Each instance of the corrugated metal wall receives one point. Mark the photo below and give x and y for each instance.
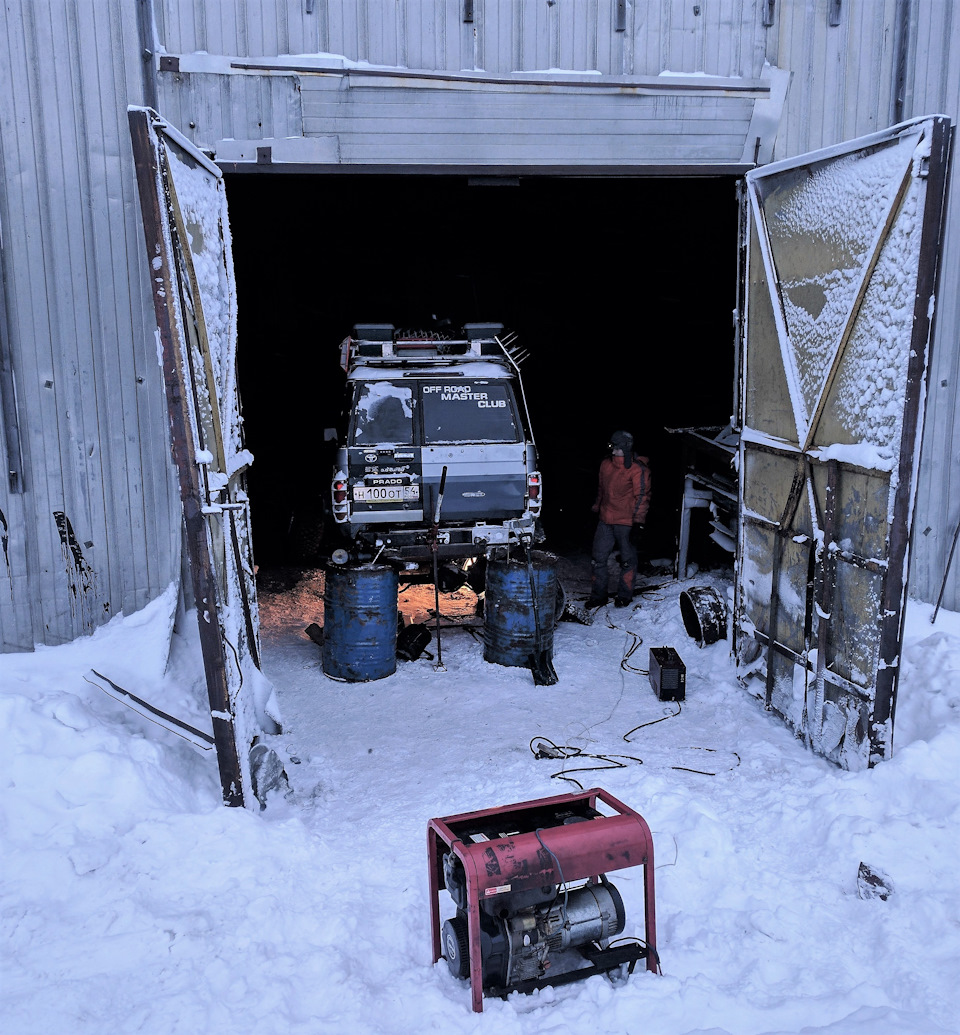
(883, 62)
(89, 517)
(719, 37)
(91, 520)
(220, 80)
(518, 126)
(933, 84)
(843, 74)
(212, 106)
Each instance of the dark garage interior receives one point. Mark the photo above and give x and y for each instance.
(620, 289)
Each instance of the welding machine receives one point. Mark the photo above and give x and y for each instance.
(668, 674)
(533, 903)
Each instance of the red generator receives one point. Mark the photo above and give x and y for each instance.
(533, 903)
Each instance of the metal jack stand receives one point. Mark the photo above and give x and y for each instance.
(435, 549)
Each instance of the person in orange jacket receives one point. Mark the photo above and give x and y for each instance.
(623, 499)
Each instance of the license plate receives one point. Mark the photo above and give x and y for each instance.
(385, 493)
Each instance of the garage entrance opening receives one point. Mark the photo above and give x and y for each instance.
(621, 290)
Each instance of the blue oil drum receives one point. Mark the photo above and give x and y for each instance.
(360, 622)
(509, 618)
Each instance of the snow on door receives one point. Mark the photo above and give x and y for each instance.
(841, 272)
(188, 244)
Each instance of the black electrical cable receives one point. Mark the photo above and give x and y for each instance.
(630, 652)
(546, 748)
(683, 768)
(704, 772)
(653, 722)
(623, 685)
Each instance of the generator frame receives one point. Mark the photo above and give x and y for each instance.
(582, 844)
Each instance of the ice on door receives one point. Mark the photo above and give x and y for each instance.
(841, 274)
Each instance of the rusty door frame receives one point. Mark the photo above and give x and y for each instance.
(161, 237)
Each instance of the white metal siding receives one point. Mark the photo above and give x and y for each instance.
(80, 336)
(208, 107)
(502, 125)
(843, 75)
(725, 37)
(934, 85)
(223, 80)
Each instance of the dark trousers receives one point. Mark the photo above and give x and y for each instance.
(605, 540)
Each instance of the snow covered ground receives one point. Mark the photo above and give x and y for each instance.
(132, 901)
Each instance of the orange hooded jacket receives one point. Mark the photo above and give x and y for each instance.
(623, 495)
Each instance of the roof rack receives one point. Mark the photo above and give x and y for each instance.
(383, 345)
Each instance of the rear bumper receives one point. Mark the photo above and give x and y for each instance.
(416, 544)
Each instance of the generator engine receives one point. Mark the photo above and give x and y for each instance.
(533, 905)
(523, 941)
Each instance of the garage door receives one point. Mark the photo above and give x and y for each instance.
(841, 273)
(191, 262)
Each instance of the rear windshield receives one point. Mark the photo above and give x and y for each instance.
(383, 412)
(472, 411)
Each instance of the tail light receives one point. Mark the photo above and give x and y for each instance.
(533, 490)
(341, 507)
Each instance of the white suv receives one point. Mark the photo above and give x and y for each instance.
(425, 410)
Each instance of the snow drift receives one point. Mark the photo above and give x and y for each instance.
(133, 901)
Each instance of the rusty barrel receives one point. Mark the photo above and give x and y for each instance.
(360, 622)
(511, 612)
(704, 614)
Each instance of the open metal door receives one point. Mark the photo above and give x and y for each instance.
(187, 236)
(842, 258)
